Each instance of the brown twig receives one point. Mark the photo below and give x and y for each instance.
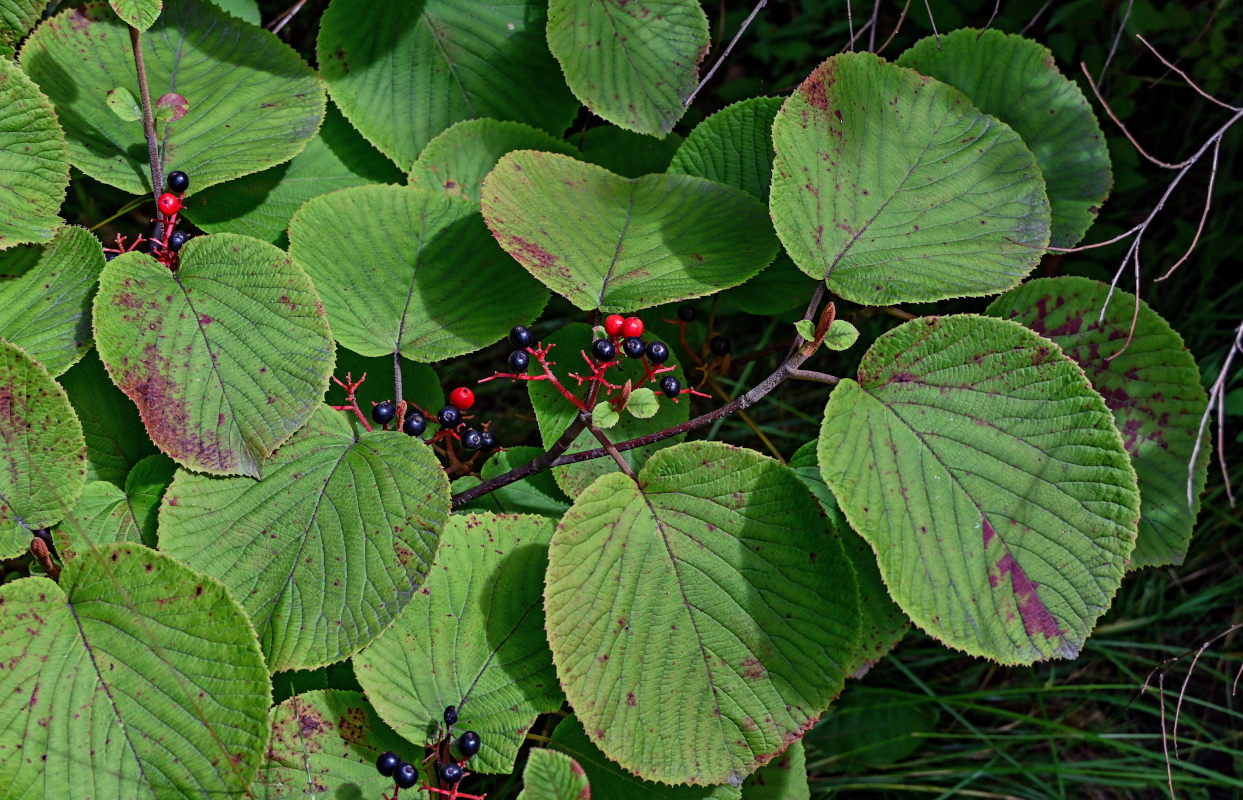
(38, 548)
(1216, 399)
(896, 27)
(745, 24)
(603, 439)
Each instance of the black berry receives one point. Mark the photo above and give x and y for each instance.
(719, 345)
(177, 240)
(110, 256)
(387, 763)
(178, 181)
(686, 313)
(603, 350)
(384, 412)
(488, 441)
(414, 425)
(472, 439)
(450, 773)
(468, 744)
(633, 347)
(658, 352)
(518, 360)
(671, 386)
(449, 417)
(521, 337)
(451, 711)
(405, 775)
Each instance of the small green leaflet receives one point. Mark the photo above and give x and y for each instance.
(550, 775)
(34, 161)
(122, 103)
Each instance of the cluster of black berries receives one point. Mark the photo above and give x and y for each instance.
(449, 417)
(629, 331)
(405, 775)
(169, 204)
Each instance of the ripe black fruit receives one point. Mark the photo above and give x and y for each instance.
(603, 350)
(415, 424)
(405, 776)
(449, 417)
(383, 413)
(686, 313)
(472, 439)
(658, 352)
(387, 763)
(450, 773)
(489, 441)
(518, 360)
(521, 337)
(671, 386)
(719, 345)
(633, 347)
(469, 744)
(178, 181)
(177, 240)
(451, 713)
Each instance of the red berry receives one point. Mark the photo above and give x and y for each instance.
(613, 324)
(462, 398)
(633, 326)
(168, 204)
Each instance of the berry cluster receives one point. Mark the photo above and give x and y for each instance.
(164, 249)
(448, 771)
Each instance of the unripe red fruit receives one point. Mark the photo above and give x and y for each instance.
(632, 326)
(613, 324)
(462, 398)
(168, 204)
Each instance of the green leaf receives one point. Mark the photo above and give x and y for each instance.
(1016, 80)
(34, 161)
(884, 624)
(643, 403)
(419, 383)
(325, 744)
(783, 778)
(733, 146)
(472, 638)
(989, 479)
(456, 161)
(42, 453)
(806, 328)
(894, 188)
(102, 516)
(619, 244)
(537, 494)
(45, 297)
(252, 101)
(115, 437)
(604, 415)
(632, 64)
(225, 358)
(326, 550)
(629, 154)
(870, 728)
(158, 661)
(402, 75)
(247, 10)
(261, 205)
(433, 284)
(123, 103)
(1151, 384)
(145, 487)
(550, 775)
(841, 335)
(139, 13)
(17, 17)
(611, 782)
(736, 631)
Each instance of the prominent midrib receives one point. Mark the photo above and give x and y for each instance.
(621, 237)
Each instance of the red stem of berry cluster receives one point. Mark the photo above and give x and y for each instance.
(351, 386)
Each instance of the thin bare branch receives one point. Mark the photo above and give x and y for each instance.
(746, 23)
(850, 25)
(285, 17)
(1183, 75)
(817, 377)
(1123, 128)
(989, 24)
(1216, 399)
(1208, 204)
(896, 28)
(872, 34)
(928, 6)
(1035, 17)
(1113, 48)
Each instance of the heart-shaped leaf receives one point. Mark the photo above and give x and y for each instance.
(326, 550)
(622, 244)
(42, 453)
(472, 638)
(1016, 80)
(403, 77)
(550, 775)
(432, 286)
(160, 660)
(1149, 381)
(987, 475)
(708, 602)
(783, 778)
(139, 13)
(252, 101)
(733, 146)
(34, 161)
(632, 64)
(225, 358)
(115, 437)
(45, 297)
(894, 188)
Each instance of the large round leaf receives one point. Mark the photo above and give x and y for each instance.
(34, 161)
(326, 550)
(708, 603)
(45, 297)
(783, 778)
(251, 102)
(224, 358)
(472, 638)
(1015, 80)
(134, 677)
(894, 188)
(403, 72)
(115, 437)
(1151, 384)
(632, 64)
(987, 475)
(621, 244)
(410, 270)
(42, 453)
